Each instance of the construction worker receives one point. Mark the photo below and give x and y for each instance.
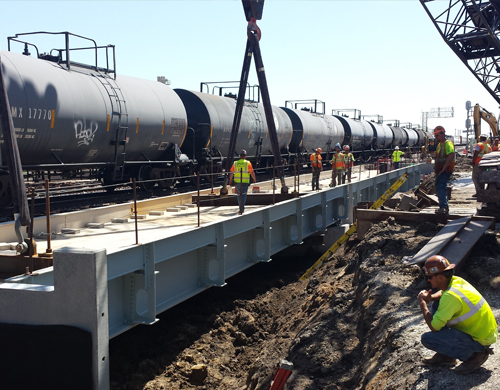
(396, 157)
(337, 162)
(317, 167)
(496, 145)
(241, 172)
(348, 163)
(461, 321)
(444, 163)
(480, 149)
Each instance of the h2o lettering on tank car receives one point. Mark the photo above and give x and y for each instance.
(85, 135)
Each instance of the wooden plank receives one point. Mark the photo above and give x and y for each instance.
(440, 240)
(464, 241)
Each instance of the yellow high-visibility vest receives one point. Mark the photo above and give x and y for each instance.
(241, 173)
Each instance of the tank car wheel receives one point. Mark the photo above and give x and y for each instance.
(166, 178)
(5, 192)
(146, 178)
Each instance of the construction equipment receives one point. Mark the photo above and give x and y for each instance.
(489, 168)
(380, 201)
(20, 199)
(482, 113)
(489, 183)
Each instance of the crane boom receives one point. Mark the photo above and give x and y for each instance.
(471, 28)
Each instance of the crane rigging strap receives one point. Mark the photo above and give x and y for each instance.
(387, 194)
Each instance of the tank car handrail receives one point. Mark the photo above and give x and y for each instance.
(339, 112)
(248, 88)
(395, 121)
(306, 101)
(67, 49)
(380, 118)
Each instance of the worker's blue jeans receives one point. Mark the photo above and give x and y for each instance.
(241, 191)
(450, 342)
(441, 183)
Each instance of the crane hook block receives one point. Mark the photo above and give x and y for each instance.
(253, 9)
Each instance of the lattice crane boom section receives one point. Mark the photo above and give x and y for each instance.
(472, 30)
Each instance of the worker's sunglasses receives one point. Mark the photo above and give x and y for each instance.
(429, 277)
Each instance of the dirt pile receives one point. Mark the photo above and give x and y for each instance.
(355, 324)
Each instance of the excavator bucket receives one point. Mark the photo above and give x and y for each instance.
(253, 9)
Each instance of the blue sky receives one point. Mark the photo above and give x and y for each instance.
(381, 57)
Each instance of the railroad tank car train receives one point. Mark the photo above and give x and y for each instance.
(71, 117)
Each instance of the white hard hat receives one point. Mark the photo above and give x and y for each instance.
(397, 148)
(483, 136)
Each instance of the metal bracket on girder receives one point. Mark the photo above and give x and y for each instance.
(263, 233)
(212, 261)
(140, 291)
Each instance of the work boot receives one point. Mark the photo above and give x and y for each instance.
(442, 210)
(439, 360)
(474, 362)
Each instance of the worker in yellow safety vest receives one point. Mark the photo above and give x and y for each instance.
(240, 175)
(396, 157)
(461, 321)
(337, 162)
(480, 149)
(317, 167)
(348, 162)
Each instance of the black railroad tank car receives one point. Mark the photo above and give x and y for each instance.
(400, 137)
(81, 117)
(71, 118)
(358, 134)
(413, 139)
(210, 121)
(313, 130)
(383, 137)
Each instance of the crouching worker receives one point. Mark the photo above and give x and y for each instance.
(461, 321)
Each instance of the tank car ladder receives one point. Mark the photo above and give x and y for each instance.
(118, 108)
